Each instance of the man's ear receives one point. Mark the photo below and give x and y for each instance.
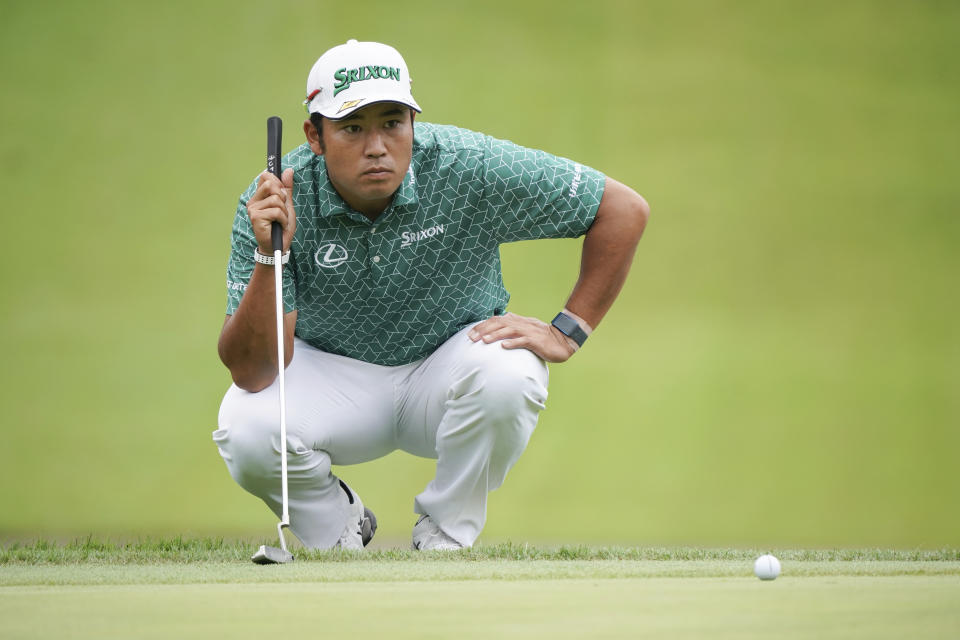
(313, 137)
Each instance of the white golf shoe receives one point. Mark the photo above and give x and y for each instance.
(361, 523)
(427, 536)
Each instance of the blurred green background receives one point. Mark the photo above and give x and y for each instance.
(782, 368)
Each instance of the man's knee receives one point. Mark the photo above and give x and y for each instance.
(506, 382)
(249, 436)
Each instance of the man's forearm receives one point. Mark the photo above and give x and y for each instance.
(608, 250)
(248, 340)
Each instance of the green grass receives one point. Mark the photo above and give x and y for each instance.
(779, 373)
(182, 550)
(192, 588)
(835, 607)
(781, 369)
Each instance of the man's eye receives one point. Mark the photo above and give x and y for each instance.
(352, 128)
(391, 124)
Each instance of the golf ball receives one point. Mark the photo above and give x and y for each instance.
(766, 567)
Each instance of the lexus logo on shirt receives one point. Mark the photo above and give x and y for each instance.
(330, 256)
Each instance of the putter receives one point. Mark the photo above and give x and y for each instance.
(267, 554)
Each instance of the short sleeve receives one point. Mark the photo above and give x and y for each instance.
(531, 194)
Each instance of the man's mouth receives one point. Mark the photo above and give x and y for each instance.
(377, 172)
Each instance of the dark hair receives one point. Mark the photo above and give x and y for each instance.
(316, 120)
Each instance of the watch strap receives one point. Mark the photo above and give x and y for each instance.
(570, 328)
(263, 258)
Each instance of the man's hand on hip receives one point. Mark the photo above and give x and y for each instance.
(520, 332)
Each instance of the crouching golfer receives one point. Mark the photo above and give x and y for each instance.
(397, 335)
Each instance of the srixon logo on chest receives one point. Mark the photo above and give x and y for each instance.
(409, 237)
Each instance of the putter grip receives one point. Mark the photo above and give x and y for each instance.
(274, 139)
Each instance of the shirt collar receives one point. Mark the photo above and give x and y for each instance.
(407, 193)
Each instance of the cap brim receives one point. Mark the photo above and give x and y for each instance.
(347, 108)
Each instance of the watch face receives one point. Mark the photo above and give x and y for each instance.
(570, 328)
(566, 324)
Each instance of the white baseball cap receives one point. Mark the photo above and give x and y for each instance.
(354, 75)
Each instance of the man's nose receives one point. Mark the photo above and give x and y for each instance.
(374, 145)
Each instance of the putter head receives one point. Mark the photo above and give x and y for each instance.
(271, 555)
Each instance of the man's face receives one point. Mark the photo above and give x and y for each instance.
(367, 154)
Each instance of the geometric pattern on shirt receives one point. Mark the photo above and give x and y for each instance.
(391, 291)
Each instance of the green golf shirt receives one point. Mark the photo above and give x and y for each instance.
(391, 291)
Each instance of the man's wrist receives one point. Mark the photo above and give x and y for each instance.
(572, 327)
(570, 342)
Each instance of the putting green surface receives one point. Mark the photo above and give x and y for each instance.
(831, 606)
(202, 588)
(444, 570)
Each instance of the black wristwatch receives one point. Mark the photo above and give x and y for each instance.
(570, 328)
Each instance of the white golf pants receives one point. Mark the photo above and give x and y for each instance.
(472, 406)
